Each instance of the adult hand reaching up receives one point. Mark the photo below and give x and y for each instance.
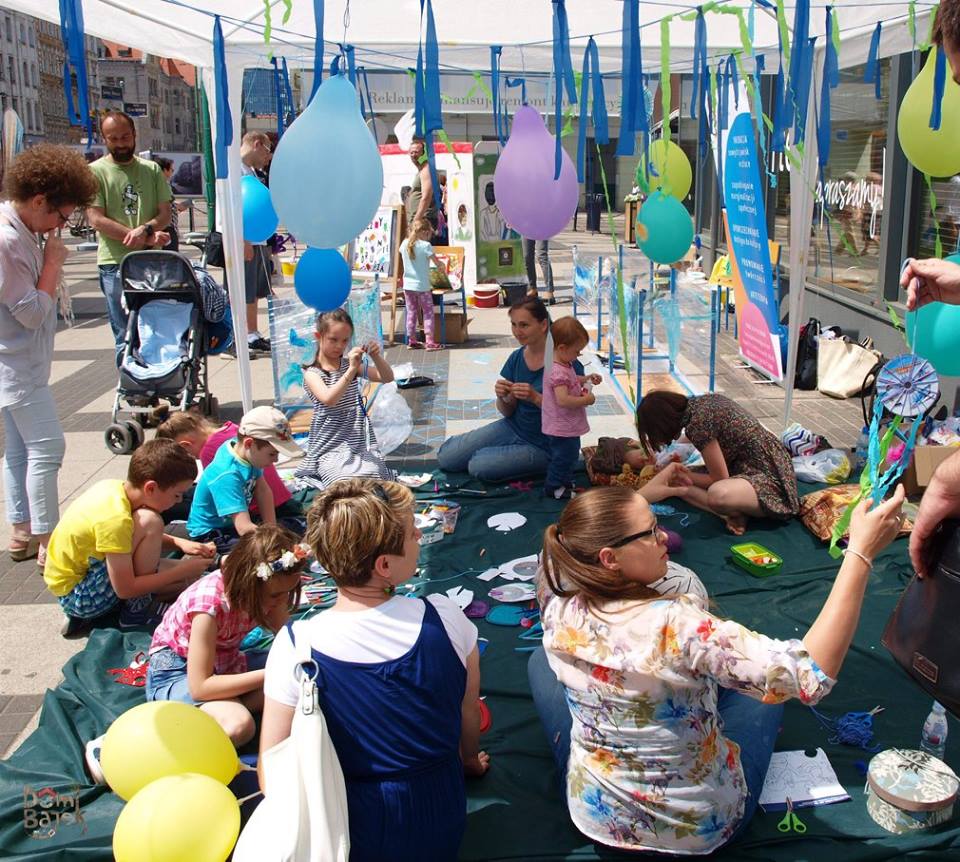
(931, 280)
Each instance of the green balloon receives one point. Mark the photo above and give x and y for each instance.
(664, 228)
(931, 152)
(670, 169)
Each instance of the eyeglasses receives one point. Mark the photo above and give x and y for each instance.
(643, 534)
(63, 218)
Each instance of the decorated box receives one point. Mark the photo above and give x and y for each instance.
(910, 790)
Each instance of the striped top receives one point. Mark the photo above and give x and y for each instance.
(342, 444)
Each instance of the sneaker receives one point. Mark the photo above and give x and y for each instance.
(259, 345)
(561, 493)
(91, 755)
(142, 612)
(74, 627)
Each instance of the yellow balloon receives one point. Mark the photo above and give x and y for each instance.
(669, 169)
(931, 152)
(163, 738)
(180, 818)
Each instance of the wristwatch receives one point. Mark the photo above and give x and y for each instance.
(150, 229)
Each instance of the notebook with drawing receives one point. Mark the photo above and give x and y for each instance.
(807, 778)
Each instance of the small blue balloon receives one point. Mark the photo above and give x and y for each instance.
(322, 279)
(933, 332)
(664, 228)
(259, 217)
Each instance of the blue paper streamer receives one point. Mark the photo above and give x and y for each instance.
(362, 74)
(939, 81)
(871, 74)
(427, 105)
(224, 136)
(801, 67)
(498, 124)
(317, 47)
(780, 105)
(562, 76)
(831, 78)
(633, 119)
(72, 33)
(518, 82)
(591, 74)
(277, 94)
(699, 64)
(287, 93)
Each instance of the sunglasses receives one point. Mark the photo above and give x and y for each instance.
(643, 534)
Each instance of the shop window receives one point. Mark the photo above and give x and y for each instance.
(943, 222)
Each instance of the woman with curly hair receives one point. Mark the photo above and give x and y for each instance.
(42, 188)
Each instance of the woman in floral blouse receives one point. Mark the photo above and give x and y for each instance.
(664, 717)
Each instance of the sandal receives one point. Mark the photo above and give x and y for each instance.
(433, 346)
(23, 549)
(414, 345)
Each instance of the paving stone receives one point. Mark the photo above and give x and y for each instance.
(21, 704)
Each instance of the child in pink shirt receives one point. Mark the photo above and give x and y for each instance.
(564, 406)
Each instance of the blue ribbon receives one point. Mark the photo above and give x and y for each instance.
(72, 32)
(427, 105)
(562, 76)
(277, 94)
(633, 110)
(349, 50)
(780, 106)
(831, 78)
(362, 73)
(317, 47)
(699, 63)
(591, 59)
(939, 80)
(287, 93)
(871, 74)
(518, 82)
(224, 136)
(498, 124)
(801, 67)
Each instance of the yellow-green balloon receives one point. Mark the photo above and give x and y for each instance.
(931, 152)
(163, 738)
(178, 818)
(670, 169)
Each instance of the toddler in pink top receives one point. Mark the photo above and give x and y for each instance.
(564, 405)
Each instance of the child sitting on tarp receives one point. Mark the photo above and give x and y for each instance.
(105, 552)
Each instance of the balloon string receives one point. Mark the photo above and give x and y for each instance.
(243, 799)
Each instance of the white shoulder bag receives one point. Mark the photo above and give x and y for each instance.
(303, 815)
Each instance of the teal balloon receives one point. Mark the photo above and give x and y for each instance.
(259, 218)
(664, 228)
(326, 177)
(322, 279)
(933, 332)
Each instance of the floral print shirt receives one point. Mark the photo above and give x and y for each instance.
(649, 766)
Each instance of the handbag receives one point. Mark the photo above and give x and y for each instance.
(806, 373)
(213, 250)
(923, 632)
(842, 365)
(303, 815)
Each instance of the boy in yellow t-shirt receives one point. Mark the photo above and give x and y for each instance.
(106, 549)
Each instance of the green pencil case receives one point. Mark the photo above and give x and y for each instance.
(759, 561)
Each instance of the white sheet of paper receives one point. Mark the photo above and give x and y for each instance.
(489, 575)
(521, 569)
(506, 521)
(806, 780)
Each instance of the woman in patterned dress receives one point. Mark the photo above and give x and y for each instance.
(749, 472)
(661, 716)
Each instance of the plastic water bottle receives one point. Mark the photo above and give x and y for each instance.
(860, 453)
(933, 738)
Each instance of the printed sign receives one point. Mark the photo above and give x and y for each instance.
(111, 93)
(135, 109)
(759, 318)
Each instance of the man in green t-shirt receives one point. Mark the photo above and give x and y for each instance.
(130, 211)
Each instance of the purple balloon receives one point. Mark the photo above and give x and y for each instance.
(531, 201)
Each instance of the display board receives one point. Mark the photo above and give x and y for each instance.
(375, 249)
(499, 247)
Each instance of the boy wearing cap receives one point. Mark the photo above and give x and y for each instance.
(220, 511)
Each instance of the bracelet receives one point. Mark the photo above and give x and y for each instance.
(868, 562)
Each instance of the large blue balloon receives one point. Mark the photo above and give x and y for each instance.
(664, 228)
(259, 219)
(933, 332)
(322, 279)
(326, 178)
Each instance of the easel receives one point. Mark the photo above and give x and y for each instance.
(391, 282)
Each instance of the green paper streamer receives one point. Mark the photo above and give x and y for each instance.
(267, 26)
(933, 20)
(287, 10)
(665, 77)
(567, 128)
(445, 138)
(784, 34)
(836, 35)
(480, 84)
(912, 20)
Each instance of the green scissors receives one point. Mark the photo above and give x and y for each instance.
(790, 822)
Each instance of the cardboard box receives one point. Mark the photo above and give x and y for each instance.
(456, 323)
(925, 461)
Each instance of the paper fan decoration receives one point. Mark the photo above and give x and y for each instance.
(908, 385)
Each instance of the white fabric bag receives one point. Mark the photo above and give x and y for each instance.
(843, 365)
(303, 815)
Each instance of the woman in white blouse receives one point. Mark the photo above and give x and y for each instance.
(664, 717)
(42, 188)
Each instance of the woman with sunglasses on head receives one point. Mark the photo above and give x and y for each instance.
(43, 187)
(662, 717)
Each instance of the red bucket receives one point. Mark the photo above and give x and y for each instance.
(487, 297)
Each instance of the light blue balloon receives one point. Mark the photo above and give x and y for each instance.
(322, 279)
(259, 219)
(933, 332)
(326, 178)
(668, 228)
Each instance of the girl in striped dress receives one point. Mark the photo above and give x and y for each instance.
(342, 443)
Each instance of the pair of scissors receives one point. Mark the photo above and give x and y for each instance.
(790, 822)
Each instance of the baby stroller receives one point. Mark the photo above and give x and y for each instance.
(164, 354)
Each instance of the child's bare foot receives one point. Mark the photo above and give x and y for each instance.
(736, 524)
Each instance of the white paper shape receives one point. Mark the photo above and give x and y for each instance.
(513, 593)
(806, 780)
(506, 521)
(460, 596)
(489, 575)
(521, 569)
(414, 480)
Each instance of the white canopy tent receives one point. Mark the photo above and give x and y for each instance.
(386, 34)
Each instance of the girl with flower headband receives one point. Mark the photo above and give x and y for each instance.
(195, 652)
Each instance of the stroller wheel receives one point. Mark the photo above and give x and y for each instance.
(137, 430)
(119, 439)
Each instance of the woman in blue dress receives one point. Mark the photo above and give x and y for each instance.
(398, 680)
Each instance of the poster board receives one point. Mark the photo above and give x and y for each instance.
(375, 249)
(499, 247)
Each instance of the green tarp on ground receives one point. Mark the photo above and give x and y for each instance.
(516, 812)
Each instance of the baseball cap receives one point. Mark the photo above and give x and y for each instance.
(271, 426)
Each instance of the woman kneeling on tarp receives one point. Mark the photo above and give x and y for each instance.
(662, 717)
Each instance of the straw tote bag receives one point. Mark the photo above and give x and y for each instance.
(303, 815)
(842, 365)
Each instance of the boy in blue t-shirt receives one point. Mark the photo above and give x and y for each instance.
(220, 511)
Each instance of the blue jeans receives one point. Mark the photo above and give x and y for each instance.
(564, 452)
(31, 461)
(747, 722)
(113, 293)
(493, 453)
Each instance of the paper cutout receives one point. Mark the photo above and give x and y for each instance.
(461, 597)
(513, 593)
(521, 569)
(808, 781)
(489, 575)
(414, 480)
(506, 521)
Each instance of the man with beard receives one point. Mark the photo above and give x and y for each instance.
(129, 213)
